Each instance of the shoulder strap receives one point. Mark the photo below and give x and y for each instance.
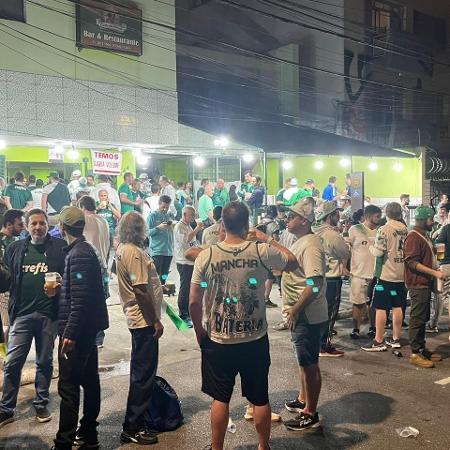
(259, 256)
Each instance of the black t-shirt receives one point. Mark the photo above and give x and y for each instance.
(33, 298)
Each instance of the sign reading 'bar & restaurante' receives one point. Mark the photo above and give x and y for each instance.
(109, 27)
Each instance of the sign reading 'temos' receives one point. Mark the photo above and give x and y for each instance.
(106, 162)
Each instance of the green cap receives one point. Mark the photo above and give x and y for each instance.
(53, 174)
(423, 212)
(72, 217)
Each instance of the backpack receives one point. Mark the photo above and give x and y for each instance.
(59, 197)
(164, 412)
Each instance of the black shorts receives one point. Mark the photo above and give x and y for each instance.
(388, 295)
(222, 362)
(307, 341)
(271, 276)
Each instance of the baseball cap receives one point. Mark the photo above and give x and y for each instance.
(76, 173)
(309, 181)
(143, 176)
(53, 174)
(304, 209)
(345, 197)
(423, 212)
(328, 208)
(294, 182)
(72, 217)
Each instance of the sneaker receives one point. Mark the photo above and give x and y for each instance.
(429, 329)
(303, 422)
(143, 437)
(270, 304)
(432, 356)
(331, 352)
(85, 442)
(388, 325)
(188, 322)
(43, 414)
(295, 406)
(393, 343)
(355, 334)
(333, 332)
(374, 347)
(282, 326)
(417, 359)
(371, 333)
(405, 325)
(249, 415)
(6, 418)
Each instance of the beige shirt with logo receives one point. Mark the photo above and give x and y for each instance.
(134, 268)
(233, 277)
(311, 259)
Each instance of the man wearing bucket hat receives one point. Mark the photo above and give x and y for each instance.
(82, 314)
(304, 295)
(337, 254)
(420, 274)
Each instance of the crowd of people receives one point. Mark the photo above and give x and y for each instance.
(229, 248)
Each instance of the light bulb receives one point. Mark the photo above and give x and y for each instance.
(73, 154)
(222, 142)
(397, 167)
(286, 164)
(373, 165)
(142, 160)
(345, 162)
(319, 165)
(199, 161)
(2, 144)
(247, 157)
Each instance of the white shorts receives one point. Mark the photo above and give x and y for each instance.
(359, 290)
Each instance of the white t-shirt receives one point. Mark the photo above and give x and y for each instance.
(149, 205)
(234, 280)
(37, 197)
(73, 187)
(210, 235)
(181, 244)
(135, 268)
(311, 259)
(361, 239)
(96, 231)
(389, 244)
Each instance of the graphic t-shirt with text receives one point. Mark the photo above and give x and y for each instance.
(32, 296)
(233, 277)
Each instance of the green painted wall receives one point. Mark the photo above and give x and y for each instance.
(175, 169)
(156, 68)
(273, 169)
(383, 182)
(35, 160)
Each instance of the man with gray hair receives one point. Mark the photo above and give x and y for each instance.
(185, 237)
(390, 291)
(141, 297)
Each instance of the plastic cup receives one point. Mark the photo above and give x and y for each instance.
(440, 251)
(51, 281)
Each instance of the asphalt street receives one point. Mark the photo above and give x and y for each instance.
(365, 397)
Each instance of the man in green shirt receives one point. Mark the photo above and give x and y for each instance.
(17, 195)
(307, 191)
(246, 187)
(108, 211)
(128, 200)
(220, 196)
(201, 189)
(279, 198)
(206, 206)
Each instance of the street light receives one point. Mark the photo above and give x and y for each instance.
(247, 158)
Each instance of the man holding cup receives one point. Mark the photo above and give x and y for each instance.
(32, 311)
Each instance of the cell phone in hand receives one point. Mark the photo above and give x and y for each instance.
(169, 222)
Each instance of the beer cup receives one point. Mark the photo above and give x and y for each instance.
(51, 282)
(440, 251)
